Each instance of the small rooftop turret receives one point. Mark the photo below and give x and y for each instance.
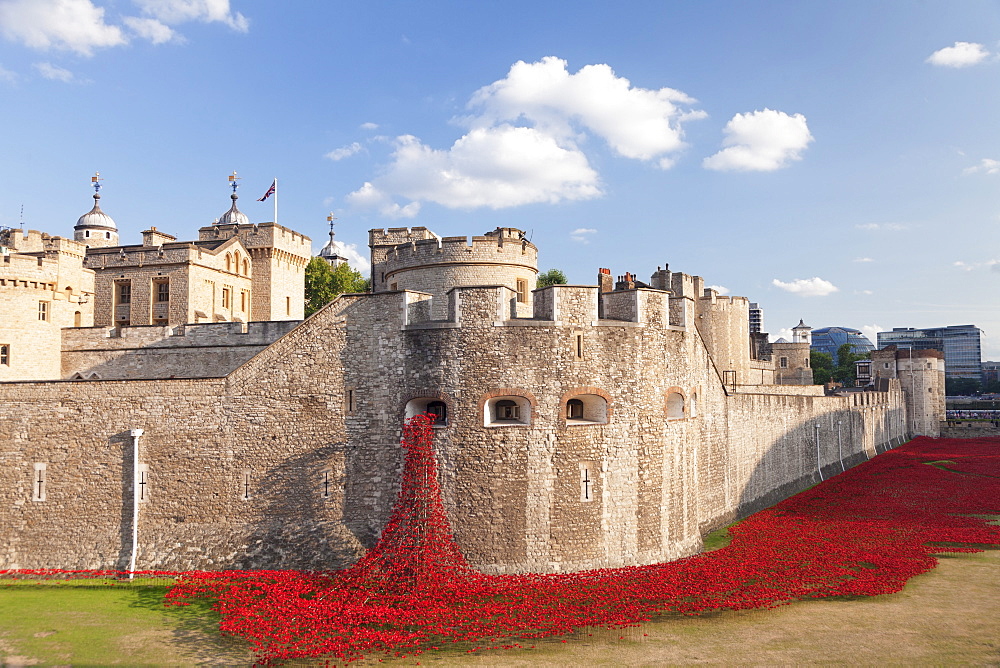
(329, 251)
(234, 216)
(95, 228)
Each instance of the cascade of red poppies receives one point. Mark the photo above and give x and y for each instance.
(864, 532)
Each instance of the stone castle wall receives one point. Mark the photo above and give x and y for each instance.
(293, 459)
(185, 351)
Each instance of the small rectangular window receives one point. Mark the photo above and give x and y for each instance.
(350, 401)
(579, 346)
(43, 310)
(4, 354)
(783, 362)
(288, 305)
(163, 291)
(522, 291)
(226, 298)
(243, 301)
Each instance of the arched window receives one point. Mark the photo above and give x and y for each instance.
(507, 410)
(229, 262)
(236, 263)
(246, 267)
(675, 405)
(586, 409)
(432, 405)
(439, 410)
(77, 319)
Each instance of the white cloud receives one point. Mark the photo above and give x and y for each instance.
(344, 151)
(986, 166)
(783, 333)
(993, 265)
(863, 259)
(963, 54)
(354, 258)
(152, 30)
(761, 141)
(7, 75)
(864, 292)
(369, 126)
(489, 167)
(370, 197)
(173, 12)
(71, 25)
(871, 331)
(524, 136)
(636, 123)
(887, 227)
(582, 234)
(54, 72)
(807, 287)
(721, 289)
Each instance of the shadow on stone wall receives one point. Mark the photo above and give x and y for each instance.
(801, 440)
(123, 441)
(299, 528)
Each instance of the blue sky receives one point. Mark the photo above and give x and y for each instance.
(835, 162)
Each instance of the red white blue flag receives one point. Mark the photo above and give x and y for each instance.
(270, 191)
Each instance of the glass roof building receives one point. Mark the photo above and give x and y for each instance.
(828, 339)
(959, 343)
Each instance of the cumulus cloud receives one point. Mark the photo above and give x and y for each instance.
(963, 54)
(152, 30)
(761, 141)
(369, 126)
(871, 331)
(489, 167)
(71, 25)
(807, 287)
(344, 151)
(54, 72)
(863, 259)
(582, 234)
(80, 25)
(370, 197)
(173, 12)
(523, 140)
(986, 166)
(721, 289)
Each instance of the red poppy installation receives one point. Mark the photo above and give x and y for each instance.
(865, 532)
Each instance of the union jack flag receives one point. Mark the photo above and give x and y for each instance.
(270, 191)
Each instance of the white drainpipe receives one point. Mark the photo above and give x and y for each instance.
(135, 434)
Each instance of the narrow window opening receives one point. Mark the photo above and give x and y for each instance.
(288, 305)
(587, 481)
(579, 346)
(522, 291)
(77, 319)
(325, 483)
(508, 410)
(574, 409)
(143, 483)
(124, 292)
(246, 485)
(107, 235)
(5, 354)
(87, 234)
(783, 362)
(350, 401)
(39, 482)
(43, 311)
(163, 291)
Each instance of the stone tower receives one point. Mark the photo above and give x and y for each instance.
(921, 376)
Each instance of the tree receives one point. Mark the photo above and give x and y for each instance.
(846, 371)
(962, 387)
(822, 366)
(324, 283)
(551, 277)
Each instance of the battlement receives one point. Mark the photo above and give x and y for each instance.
(260, 235)
(256, 333)
(504, 248)
(32, 270)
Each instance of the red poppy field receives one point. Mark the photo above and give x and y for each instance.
(862, 533)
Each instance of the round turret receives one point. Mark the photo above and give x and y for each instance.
(234, 216)
(95, 228)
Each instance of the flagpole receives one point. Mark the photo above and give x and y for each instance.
(275, 200)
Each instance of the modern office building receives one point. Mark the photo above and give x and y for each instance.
(959, 343)
(829, 340)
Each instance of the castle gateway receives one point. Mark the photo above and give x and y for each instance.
(577, 426)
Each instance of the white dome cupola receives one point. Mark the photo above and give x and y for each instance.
(234, 216)
(96, 229)
(330, 252)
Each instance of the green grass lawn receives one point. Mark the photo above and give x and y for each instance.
(95, 623)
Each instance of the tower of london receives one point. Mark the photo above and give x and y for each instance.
(577, 426)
